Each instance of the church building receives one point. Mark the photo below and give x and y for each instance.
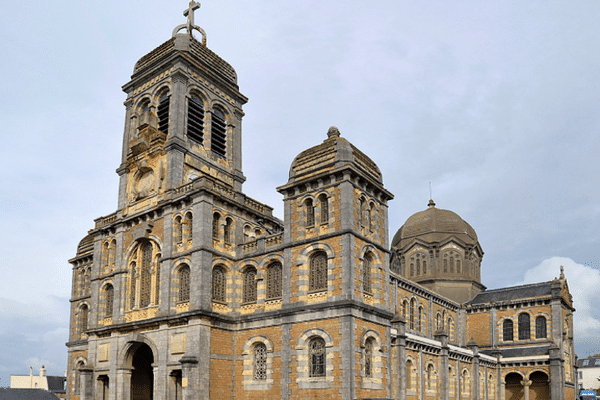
(193, 290)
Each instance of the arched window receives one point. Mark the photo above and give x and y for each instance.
(540, 327)
(361, 213)
(227, 231)
(145, 275)
(507, 330)
(195, 119)
(318, 272)
(445, 264)
(250, 285)
(178, 230)
(83, 318)
(218, 284)
(316, 357)
(324, 209)
(163, 113)
(88, 280)
(418, 266)
(424, 267)
(369, 357)
(430, 377)
(409, 374)
(109, 301)
(366, 275)
(439, 322)
(412, 269)
(218, 133)
(405, 309)
(413, 311)
(274, 281)
(310, 213)
(524, 326)
(419, 319)
(395, 266)
(186, 231)
(215, 225)
(370, 208)
(458, 266)
(465, 382)
(157, 283)
(260, 362)
(132, 285)
(184, 283)
(451, 264)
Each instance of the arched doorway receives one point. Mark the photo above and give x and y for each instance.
(513, 387)
(540, 387)
(142, 376)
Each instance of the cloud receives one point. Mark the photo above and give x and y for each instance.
(583, 281)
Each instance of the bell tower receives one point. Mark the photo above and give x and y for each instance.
(183, 120)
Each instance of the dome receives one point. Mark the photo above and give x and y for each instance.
(434, 225)
(334, 152)
(86, 244)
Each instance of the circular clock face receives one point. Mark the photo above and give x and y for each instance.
(145, 183)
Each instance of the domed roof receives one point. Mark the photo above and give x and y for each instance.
(196, 52)
(86, 244)
(334, 152)
(434, 225)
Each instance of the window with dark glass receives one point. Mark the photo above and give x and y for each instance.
(218, 284)
(524, 326)
(367, 275)
(316, 357)
(540, 327)
(145, 275)
(250, 285)
(163, 113)
(413, 311)
(215, 225)
(274, 281)
(218, 133)
(507, 330)
(310, 213)
(260, 362)
(132, 286)
(83, 318)
(324, 209)
(227, 231)
(369, 358)
(184, 283)
(318, 272)
(110, 297)
(195, 121)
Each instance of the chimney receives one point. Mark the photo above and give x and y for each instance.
(43, 371)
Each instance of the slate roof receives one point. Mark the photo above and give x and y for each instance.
(56, 384)
(26, 394)
(522, 351)
(512, 293)
(592, 362)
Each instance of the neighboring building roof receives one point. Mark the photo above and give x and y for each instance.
(589, 362)
(56, 384)
(434, 225)
(334, 152)
(513, 293)
(26, 394)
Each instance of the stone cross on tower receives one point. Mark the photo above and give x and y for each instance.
(190, 26)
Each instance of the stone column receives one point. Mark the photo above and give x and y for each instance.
(444, 378)
(399, 324)
(188, 377)
(475, 349)
(124, 383)
(526, 383)
(557, 391)
(86, 386)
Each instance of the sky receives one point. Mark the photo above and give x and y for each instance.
(496, 104)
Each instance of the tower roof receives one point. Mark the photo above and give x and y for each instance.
(434, 225)
(334, 152)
